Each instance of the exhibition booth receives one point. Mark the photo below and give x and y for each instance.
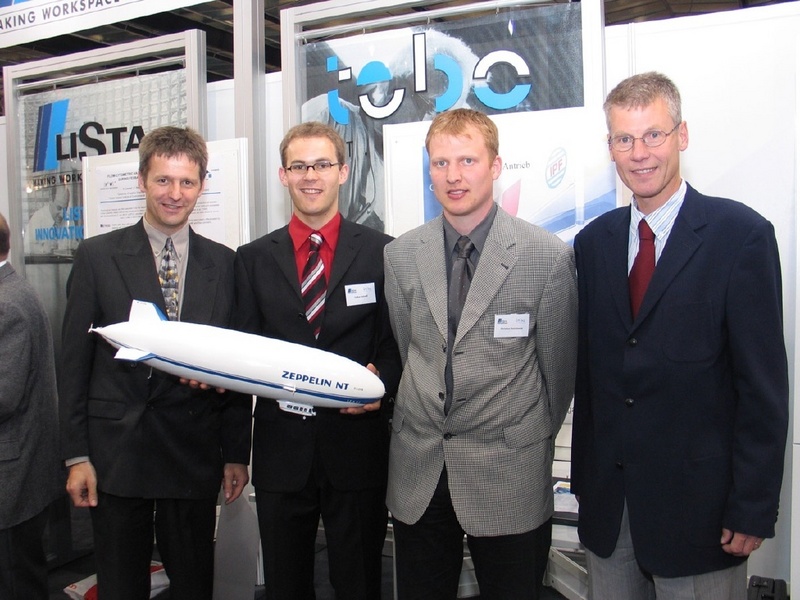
(540, 71)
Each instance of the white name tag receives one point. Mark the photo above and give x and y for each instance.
(360, 293)
(506, 326)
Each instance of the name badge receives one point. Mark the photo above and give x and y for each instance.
(360, 293)
(509, 326)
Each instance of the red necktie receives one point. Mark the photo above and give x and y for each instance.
(643, 266)
(314, 286)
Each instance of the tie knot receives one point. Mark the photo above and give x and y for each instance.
(645, 233)
(464, 247)
(315, 240)
(169, 246)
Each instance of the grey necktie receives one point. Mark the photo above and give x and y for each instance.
(460, 278)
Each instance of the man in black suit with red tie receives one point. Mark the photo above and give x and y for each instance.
(333, 464)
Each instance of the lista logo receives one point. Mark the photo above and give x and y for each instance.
(52, 120)
(53, 144)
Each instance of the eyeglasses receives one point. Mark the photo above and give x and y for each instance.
(321, 166)
(652, 139)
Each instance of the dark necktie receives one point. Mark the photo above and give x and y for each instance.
(313, 286)
(168, 278)
(643, 266)
(460, 278)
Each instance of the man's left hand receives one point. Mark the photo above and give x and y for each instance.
(360, 410)
(235, 477)
(739, 544)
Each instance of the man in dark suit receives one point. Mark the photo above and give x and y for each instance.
(483, 394)
(29, 462)
(332, 464)
(681, 403)
(136, 439)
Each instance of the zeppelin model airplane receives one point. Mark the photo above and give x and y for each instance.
(298, 377)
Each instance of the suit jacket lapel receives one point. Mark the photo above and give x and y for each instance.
(134, 259)
(202, 277)
(346, 251)
(496, 262)
(683, 242)
(432, 270)
(283, 254)
(615, 257)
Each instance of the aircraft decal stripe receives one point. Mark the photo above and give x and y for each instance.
(265, 384)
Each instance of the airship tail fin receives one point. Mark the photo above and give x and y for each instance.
(132, 355)
(145, 311)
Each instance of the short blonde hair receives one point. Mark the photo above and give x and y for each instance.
(456, 121)
(642, 90)
(313, 129)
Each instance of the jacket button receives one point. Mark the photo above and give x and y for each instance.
(447, 436)
(628, 401)
(441, 395)
(619, 464)
(632, 342)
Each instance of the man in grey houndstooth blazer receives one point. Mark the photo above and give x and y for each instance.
(483, 467)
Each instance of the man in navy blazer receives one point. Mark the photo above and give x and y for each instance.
(136, 439)
(681, 408)
(332, 464)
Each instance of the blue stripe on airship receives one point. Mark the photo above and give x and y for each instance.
(261, 383)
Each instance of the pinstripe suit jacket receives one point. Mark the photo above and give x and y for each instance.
(29, 461)
(510, 394)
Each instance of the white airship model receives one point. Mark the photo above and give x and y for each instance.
(298, 377)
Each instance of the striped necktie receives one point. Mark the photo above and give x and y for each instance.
(314, 285)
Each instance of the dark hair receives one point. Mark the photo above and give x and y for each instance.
(172, 141)
(456, 122)
(642, 90)
(313, 129)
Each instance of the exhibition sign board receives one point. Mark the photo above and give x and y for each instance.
(112, 198)
(57, 128)
(380, 85)
(521, 60)
(23, 21)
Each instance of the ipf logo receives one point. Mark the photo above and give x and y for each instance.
(52, 121)
(556, 167)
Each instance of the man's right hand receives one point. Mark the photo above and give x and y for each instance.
(82, 484)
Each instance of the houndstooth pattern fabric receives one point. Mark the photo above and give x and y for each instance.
(510, 394)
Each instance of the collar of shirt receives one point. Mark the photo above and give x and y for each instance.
(660, 221)
(157, 239)
(299, 232)
(477, 236)
(2, 263)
